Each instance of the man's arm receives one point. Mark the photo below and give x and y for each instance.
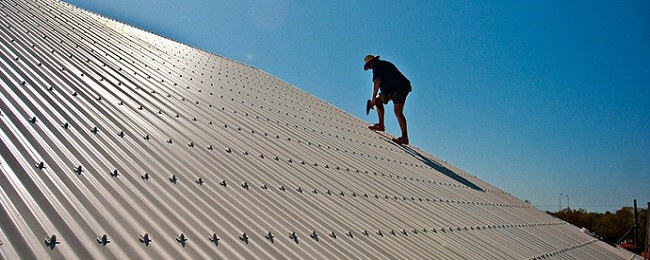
(375, 88)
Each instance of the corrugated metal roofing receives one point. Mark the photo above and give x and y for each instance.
(117, 143)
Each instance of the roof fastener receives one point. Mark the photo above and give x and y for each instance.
(264, 187)
(40, 165)
(170, 141)
(378, 233)
(145, 176)
(65, 125)
(282, 188)
(51, 242)
(333, 235)
(78, 169)
(191, 144)
(181, 239)
(103, 240)
(349, 233)
(32, 120)
(244, 185)
(392, 232)
(313, 235)
(173, 179)
(145, 239)
(299, 190)
(199, 181)
(146, 137)
(210, 147)
(94, 130)
(269, 236)
(293, 236)
(121, 134)
(114, 173)
(244, 238)
(214, 239)
(223, 183)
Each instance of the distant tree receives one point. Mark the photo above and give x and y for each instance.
(610, 226)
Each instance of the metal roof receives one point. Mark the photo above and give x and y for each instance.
(117, 143)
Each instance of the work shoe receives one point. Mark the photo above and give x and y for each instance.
(401, 140)
(377, 127)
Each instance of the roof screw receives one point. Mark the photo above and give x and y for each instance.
(378, 233)
(170, 141)
(392, 232)
(223, 183)
(173, 179)
(103, 240)
(354, 194)
(199, 181)
(51, 242)
(228, 150)
(145, 239)
(79, 169)
(264, 187)
(121, 134)
(289, 160)
(191, 144)
(269, 236)
(313, 235)
(299, 189)
(415, 231)
(329, 192)
(277, 159)
(341, 193)
(293, 236)
(210, 147)
(114, 173)
(349, 233)
(244, 185)
(40, 165)
(146, 137)
(244, 238)
(262, 156)
(214, 239)
(282, 188)
(245, 152)
(365, 232)
(181, 239)
(65, 125)
(145, 176)
(94, 130)
(32, 120)
(314, 191)
(333, 235)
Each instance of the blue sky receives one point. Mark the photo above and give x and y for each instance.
(539, 98)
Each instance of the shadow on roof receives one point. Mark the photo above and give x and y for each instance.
(440, 168)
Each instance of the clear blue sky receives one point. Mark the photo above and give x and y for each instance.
(539, 98)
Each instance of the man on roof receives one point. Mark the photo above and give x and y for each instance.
(394, 86)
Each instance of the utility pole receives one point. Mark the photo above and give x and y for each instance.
(560, 207)
(567, 201)
(647, 232)
(636, 227)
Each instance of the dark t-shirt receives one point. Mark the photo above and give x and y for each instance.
(391, 78)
